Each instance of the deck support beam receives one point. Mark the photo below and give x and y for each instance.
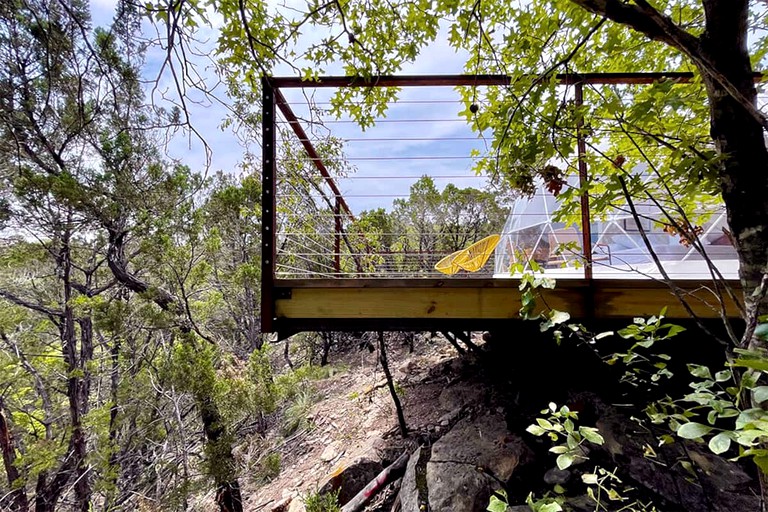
(478, 304)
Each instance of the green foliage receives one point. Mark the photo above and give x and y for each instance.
(269, 468)
(296, 414)
(529, 283)
(316, 502)
(724, 409)
(191, 368)
(545, 504)
(530, 122)
(645, 365)
(604, 484)
(560, 426)
(727, 406)
(604, 487)
(498, 502)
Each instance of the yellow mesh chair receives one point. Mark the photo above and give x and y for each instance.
(451, 263)
(470, 259)
(478, 253)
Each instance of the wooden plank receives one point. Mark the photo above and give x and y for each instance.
(493, 300)
(626, 302)
(433, 303)
(399, 283)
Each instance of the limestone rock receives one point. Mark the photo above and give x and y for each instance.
(330, 452)
(455, 486)
(557, 476)
(350, 477)
(281, 505)
(484, 442)
(463, 467)
(297, 505)
(460, 395)
(413, 480)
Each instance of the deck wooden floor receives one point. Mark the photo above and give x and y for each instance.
(474, 304)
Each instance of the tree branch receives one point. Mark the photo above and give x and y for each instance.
(644, 18)
(119, 267)
(29, 305)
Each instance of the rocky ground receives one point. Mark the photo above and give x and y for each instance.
(467, 417)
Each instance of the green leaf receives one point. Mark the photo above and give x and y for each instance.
(723, 376)
(749, 416)
(565, 460)
(589, 478)
(760, 394)
(558, 449)
(592, 435)
(762, 463)
(699, 371)
(558, 317)
(551, 507)
(545, 424)
(755, 364)
(720, 443)
(674, 330)
(496, 505)
(761, 331)
(535, 430)
(693, 430)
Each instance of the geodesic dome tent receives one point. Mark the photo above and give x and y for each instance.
(532, 240)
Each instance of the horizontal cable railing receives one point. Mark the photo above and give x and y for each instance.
(373, 204)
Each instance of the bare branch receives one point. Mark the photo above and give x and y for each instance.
(34, 306)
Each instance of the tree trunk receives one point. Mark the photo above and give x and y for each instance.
(114, 456)
(739, 137)
(327, 338)
(220, 459)
(78, 383)
(17, 497)
(391, 385)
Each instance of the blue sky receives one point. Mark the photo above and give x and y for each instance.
(400, 160)
(422, 134)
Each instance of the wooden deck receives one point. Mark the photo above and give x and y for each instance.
(290, 306)
(475, 304)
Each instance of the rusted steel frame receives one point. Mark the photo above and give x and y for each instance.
(482, 80)
(268, 205)
(581, 149)
(477, 80)
(295, 125)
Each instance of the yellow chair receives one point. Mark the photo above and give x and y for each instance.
(451, 263)
(478, 253)
(471, 259)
